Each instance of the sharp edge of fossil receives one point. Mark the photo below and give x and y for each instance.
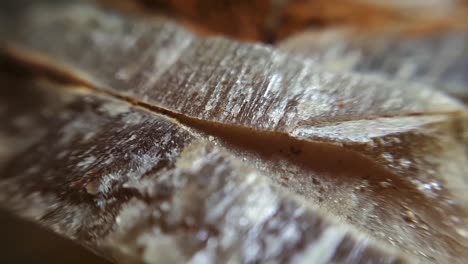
(441, 108)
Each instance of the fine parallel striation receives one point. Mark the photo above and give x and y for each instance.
(138, 187)
(152, 121)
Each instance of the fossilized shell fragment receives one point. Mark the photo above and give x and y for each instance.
(155, 142)
(137, 186)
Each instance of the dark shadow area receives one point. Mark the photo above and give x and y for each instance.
(25, 242)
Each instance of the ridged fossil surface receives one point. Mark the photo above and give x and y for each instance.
(149, 144)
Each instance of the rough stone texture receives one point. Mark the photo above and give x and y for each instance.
(160, 143)
(136, 187)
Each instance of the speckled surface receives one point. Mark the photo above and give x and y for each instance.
(160, 143)
(136, 186)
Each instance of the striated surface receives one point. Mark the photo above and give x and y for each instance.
(438, 59)
(136, 187)
(160, 143)
(247, 85)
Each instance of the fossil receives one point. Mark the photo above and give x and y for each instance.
(149, 144)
